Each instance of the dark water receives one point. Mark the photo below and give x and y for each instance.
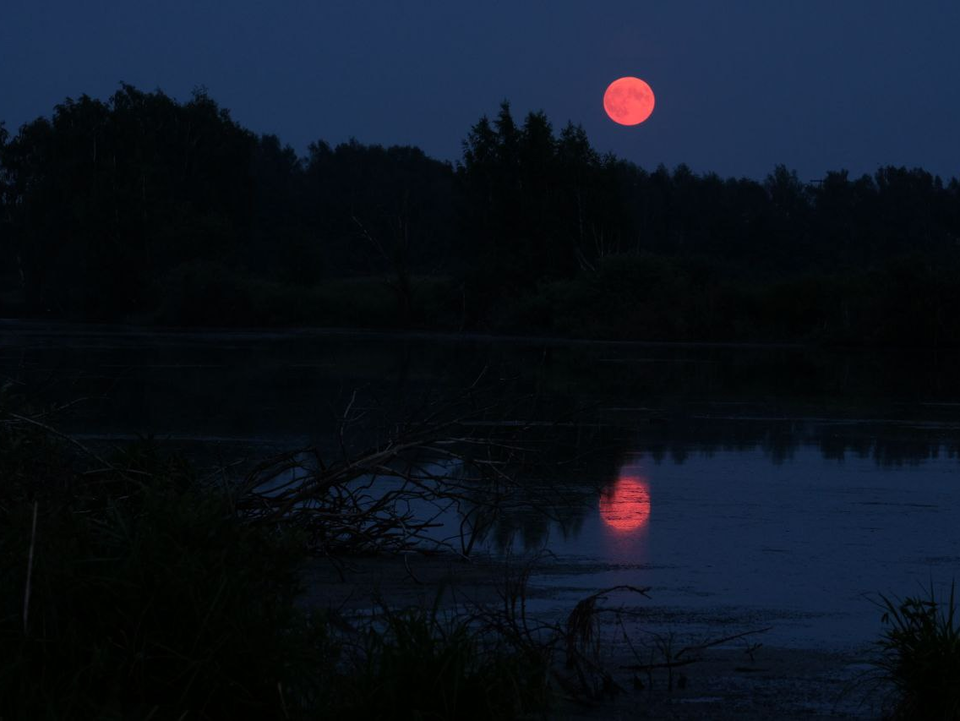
(746, 485)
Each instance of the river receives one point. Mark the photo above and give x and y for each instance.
(746, 486)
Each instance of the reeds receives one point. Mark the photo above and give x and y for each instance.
(427, 663)
(920, 655)
(132, 587)
(146, 596)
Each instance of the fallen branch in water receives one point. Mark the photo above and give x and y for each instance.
(391, 497)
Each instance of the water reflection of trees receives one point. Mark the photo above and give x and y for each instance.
(557, 497)
(529, 522)
(662, 400)
(887, 444)
(582, 408)
(553, 489)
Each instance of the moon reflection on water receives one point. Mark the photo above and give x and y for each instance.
(625, 506)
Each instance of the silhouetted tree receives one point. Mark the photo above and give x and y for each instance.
(385, 211)
(141, 207)
(108, 196)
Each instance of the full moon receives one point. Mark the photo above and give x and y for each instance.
(628, 101)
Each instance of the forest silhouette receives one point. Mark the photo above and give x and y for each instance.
(147, 210)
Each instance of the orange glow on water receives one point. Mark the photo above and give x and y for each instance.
(626, 506)
(628, 101)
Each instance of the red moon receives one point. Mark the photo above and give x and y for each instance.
(628, 101)
(626, 506)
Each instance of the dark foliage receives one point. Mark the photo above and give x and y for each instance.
(133, 588)
(146, 209)
(921, 656)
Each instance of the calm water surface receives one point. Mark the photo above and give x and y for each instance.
(803, 545)
(747, 486)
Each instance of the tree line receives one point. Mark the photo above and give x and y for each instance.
(141, 208)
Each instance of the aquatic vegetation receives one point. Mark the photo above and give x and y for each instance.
(421, 663)
(133, 587)
(920, 655)
(138, 591)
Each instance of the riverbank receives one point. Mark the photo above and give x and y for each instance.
(741, 678)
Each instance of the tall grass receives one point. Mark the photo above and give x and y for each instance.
(421, 664)
(133, 588)
(147, 595)
(920, 655)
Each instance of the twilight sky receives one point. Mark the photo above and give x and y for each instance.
(741, 85)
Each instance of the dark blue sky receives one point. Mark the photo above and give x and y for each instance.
(741, 85)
